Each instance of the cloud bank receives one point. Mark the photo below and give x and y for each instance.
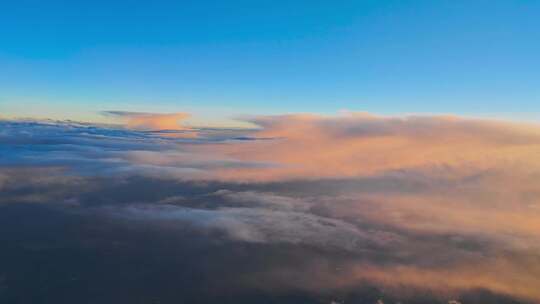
(358, 144)
(357, 206)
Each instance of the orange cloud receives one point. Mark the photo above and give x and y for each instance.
(474, 179)
(516, 278)
(500, 276)
(439, 184)
(312, 146)
(151, 121)
(442, 204)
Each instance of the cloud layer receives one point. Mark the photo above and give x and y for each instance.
(444, 206)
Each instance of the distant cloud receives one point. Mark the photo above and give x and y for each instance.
(151, 121)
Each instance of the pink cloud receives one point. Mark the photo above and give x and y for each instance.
(151, 121)
(313, 146)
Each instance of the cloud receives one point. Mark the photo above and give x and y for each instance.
(442, 204)
(299, 147)
(253, 199)
(152, 121)
(311, 146)
(449, 281)
(263, 224)
(413, 282)
(99, 149)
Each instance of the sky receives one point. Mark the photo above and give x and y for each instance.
(320, 152)
(221, 59)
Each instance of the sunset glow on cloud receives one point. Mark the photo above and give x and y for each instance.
(312, 147)
(150, 121)
(445, 205)
(269, 152)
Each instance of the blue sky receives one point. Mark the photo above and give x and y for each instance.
(217, 59)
